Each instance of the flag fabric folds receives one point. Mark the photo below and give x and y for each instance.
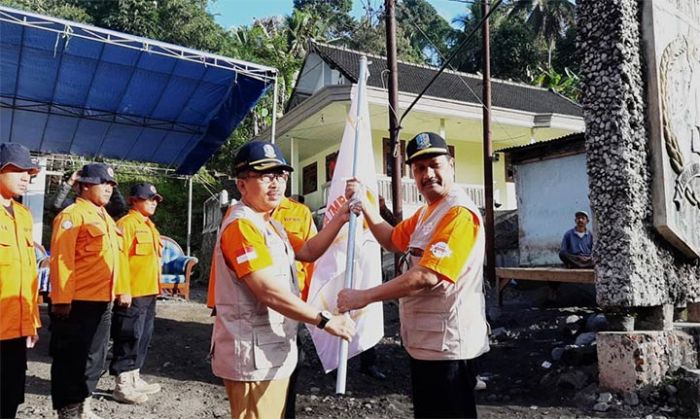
(329, 271)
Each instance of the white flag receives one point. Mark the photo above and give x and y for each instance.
(329, 269)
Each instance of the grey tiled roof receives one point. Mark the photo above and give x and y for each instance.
(450, 85)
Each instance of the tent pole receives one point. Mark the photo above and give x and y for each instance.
(189, 214)
(274, 111)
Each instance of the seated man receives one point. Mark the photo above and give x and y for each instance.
(577, 245)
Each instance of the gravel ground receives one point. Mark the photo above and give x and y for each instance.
(518, 385)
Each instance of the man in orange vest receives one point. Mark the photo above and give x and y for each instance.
(441, 301)
(85, 262)
(133, 317)
(19, 295)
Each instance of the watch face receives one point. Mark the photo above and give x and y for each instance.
(326, 314)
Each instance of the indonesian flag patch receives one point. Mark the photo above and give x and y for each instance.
(246, 254)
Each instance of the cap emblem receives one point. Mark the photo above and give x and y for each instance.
(422, 141)
(269, 151)
(153, 189)
(110, 171)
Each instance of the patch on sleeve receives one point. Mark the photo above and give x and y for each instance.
(440, 250)
(67, 224)
(246, 254)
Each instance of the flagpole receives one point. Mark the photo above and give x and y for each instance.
(352, 225)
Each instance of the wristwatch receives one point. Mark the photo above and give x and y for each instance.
(325, 317)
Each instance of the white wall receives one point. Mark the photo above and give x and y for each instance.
(549, 193)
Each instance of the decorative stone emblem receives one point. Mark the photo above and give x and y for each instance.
(671, 32)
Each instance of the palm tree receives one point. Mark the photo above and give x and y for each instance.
(548, 18)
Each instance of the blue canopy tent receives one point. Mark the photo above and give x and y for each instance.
(76, 89)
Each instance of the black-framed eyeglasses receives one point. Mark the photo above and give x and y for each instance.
(268, 178)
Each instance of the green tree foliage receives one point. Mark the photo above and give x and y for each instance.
(566, 83)
(339, 26)
(548, 18)
(514, 46)
(425, 29)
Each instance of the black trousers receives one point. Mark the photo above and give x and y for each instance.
(132, 330)
(79, 349)
(443, 389)
(13, 372)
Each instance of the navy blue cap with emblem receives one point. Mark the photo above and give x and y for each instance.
(425, 144)
(15, 154)
(260, 156)
(97, 174)
(145, 191)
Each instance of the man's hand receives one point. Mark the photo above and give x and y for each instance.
(32, 340)
(350, 299)
(341, 326)
(61, 311)
(124, 300)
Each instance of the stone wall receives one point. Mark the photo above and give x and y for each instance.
(635, 266)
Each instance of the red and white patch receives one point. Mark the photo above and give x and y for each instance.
(246, 254)
(440, 250)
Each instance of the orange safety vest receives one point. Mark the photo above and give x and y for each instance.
(143, 250)
(19, 295)
(85, 254)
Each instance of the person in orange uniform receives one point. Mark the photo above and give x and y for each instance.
(441, 301)
(85, 271)
(132, 324)
(19, 311)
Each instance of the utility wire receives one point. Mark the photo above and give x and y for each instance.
(447, 62)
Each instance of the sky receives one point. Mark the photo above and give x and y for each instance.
(242, 12)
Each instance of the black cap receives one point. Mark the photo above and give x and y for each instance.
(145, 191)
(425, 144)
(260, 156)
(17, 155)
(97, 173)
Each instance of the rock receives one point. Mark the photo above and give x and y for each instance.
(557, 353)
(368, 406)
(546, 365)
(308, 409)
(601, 407)
(574, 379)
(670, 389)
(572, 319)
(605, 397)
(533, 407)
(585, 338)
(596, 323)
(499, 332)
(315, 389)
(631, 398)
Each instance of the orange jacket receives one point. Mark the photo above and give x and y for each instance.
(298, 222)
(19, 295)
(85, 254)
(143, 250)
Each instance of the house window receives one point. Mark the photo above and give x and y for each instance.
(388, 156)
(330, 165)
(309, 178)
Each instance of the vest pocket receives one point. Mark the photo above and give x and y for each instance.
(270, 350)
(97, 236)
(426, 331)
